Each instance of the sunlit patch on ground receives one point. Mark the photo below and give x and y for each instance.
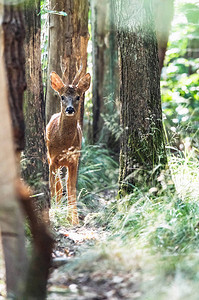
(80, 235)
(90, 273)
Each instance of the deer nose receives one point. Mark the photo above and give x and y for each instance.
(70, 110)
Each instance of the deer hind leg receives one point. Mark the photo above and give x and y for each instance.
(55, 183)
(71, 189)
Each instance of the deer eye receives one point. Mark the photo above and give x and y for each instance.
(77, 98)
(62, 97)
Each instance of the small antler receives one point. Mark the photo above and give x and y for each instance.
(78, 74)
(64, 68)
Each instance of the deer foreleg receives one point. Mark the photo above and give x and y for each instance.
(58, 186)
(71, 188)
(55, 183)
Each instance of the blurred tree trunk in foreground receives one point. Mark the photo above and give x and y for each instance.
(142, 140)
(11, 218)
(35, 171)
(68, 39)
(105, 73)
(14, 57)
(22, 283)
(164, 11)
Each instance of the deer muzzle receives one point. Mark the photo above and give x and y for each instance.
(70, 110)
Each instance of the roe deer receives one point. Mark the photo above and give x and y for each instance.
(63, 139)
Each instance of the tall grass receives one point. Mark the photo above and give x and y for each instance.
(161, 233)
(153, 233)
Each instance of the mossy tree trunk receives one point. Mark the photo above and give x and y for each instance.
(36, 166)
(105, 71)
(142, 140)
(68, 39)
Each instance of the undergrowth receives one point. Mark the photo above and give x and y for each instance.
(97, 176)
(161, 232)
(152, 234)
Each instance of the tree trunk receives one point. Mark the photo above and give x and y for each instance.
(40, 263)
(164, 11)
(68, 38)
(142, 140)
(35, 158)
(11, 218)
(20, 283)
(14, 57)
(105, 70)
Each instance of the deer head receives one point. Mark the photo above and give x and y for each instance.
(70, 95)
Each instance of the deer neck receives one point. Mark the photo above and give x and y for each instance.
(68, 124)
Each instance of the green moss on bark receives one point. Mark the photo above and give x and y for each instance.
(142, 141)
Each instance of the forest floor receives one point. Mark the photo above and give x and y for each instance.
(82, 270)
(143, 246)
(83, 280)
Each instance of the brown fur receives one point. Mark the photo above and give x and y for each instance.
(63, 139)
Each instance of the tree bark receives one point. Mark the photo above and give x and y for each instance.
(142, 140)
(68, 38)
(105, 70)
(40, 263)
(11, 218)
(164, 11)
(21, 283)
(14, 33)
(36, 165)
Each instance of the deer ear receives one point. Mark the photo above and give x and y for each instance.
(84, 83)
(56, 82)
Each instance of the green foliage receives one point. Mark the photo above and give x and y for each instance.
(166, 221)
(98, 172)
(112, 124)
(180, 77)
(158, 228)
(153, 234)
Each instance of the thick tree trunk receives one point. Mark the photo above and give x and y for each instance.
(36, 165)
(21, 284)
(35, 153)
(68, 38)
(14, 33)
(11, 218)
(164, 11)
(142, 141)
(36, 283)
(105, 70)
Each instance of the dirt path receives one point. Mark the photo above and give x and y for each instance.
(81, 274)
